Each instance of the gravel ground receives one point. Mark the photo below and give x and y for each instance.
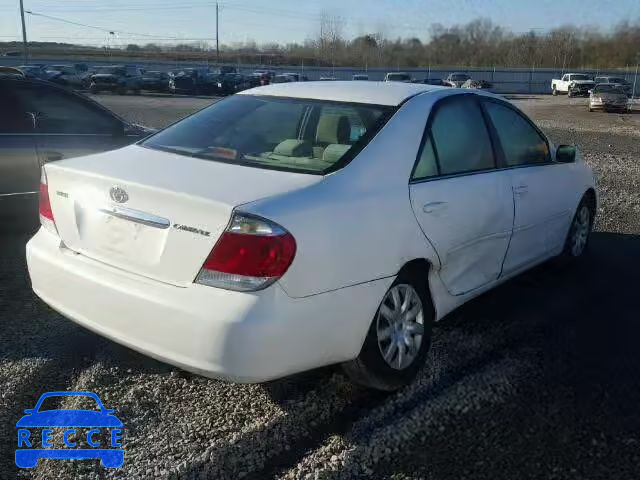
(537, 379)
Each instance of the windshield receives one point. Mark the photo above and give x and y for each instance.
(580, 77)
(269, 132)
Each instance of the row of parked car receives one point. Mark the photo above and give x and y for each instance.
(125, 79)
(223, 80)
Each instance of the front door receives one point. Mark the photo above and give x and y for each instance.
(541, 204)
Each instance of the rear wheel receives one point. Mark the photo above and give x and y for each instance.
(398, 339)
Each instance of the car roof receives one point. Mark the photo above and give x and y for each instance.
(376, 93)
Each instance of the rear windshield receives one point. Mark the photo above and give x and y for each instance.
(300, 135)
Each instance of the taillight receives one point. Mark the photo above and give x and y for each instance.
(251, 254)
(44, 205)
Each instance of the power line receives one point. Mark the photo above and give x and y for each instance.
(110, 31)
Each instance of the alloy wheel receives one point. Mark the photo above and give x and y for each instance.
(580, 231)
(400, 326)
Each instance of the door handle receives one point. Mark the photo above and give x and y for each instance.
(521, 189)
(433, 207)
(53, 156)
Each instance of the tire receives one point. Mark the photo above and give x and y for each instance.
(370, 369)
(569, 94)
(554, 92)
(591, 109)
(577, 241)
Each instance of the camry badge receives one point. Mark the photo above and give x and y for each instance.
(118, 194)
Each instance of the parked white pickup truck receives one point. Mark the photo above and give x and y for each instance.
(572, 84)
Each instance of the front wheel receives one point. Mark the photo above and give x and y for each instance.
(554, 92)
(579, 234)
(398, 339)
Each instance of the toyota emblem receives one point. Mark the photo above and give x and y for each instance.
(118, 194)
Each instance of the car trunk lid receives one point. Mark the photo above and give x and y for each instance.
(154, 213)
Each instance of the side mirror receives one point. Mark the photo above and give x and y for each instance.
(566, 154)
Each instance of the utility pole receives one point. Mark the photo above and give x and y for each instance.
(217, 38)
(24, 35)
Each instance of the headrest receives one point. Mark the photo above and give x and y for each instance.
(333, 128)
(334, 152)
(293, 148)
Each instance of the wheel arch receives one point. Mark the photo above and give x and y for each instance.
(591, 198)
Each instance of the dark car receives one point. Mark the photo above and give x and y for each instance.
(435, 81)
(297, 77)
(235, 82)
(116, 78)
(41, 122)
(283, 79)
(264, 77)
(34, 71)
(194, 81)
(155, 81)
(620, 81)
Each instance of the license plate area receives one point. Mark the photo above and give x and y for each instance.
(121, 240)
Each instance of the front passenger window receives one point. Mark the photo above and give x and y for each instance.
(521, 143)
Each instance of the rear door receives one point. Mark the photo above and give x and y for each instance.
(541, 188)
(462, 203)
(67, 125)
(19, 168)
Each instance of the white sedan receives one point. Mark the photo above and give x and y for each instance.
(305, 224)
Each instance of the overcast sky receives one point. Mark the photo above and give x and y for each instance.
(284, 21)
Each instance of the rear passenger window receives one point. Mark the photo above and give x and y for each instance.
(460, 137)
(521, 143)
(427, 166)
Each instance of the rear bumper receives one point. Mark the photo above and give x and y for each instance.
(244, 337)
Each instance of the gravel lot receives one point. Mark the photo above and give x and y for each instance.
(537, 379)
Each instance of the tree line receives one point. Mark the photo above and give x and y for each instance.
(479, 43)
